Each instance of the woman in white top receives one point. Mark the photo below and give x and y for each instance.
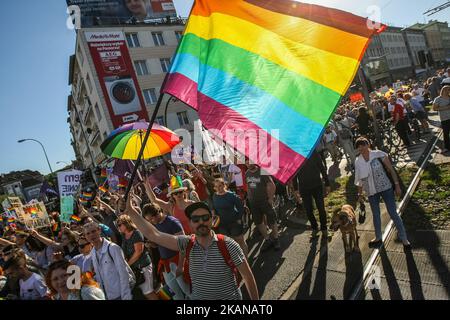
(57, 279)
(372, 178)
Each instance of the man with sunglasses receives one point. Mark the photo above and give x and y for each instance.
(211, 277)
(84, 259)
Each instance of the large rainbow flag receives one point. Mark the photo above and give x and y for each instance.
(271, 65)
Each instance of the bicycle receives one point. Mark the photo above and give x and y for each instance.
(416, 126)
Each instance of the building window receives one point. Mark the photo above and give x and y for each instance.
(133, 40)
(141, 67)
(97, 112)
(160, 120)
(165, 64)
(158, 39)
(183, 118)
(179, 35)
(150, 96)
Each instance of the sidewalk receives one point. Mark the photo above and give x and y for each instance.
(422, 274)
(316, 269)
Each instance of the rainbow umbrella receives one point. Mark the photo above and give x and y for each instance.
(125, 142)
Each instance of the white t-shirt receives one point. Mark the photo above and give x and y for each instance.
(419, 97)
(370, 175)
(33, 288)
(400, 102)
(330, 137)
(236, 175)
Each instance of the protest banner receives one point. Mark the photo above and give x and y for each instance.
(69, 182)
(35, 215)
(66, 208)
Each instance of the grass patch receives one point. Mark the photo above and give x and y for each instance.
(429, 208)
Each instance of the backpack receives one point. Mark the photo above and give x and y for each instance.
(225, 254)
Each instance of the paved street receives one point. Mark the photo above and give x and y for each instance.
(318, 268)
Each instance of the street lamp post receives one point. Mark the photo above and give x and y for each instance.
(46, 157)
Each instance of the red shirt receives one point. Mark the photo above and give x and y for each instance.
(398, 110)
(200, 188)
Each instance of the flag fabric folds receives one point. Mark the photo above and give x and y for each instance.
(278, 68)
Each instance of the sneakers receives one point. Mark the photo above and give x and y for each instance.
(375, 243)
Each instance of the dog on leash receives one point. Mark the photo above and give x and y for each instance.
(344, 219)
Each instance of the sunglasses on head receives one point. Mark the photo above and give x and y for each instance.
(204, 218)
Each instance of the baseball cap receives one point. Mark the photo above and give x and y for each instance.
(197, 205)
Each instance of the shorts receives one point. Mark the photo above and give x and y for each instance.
(231, 229)
(259, 209)
(147, 286)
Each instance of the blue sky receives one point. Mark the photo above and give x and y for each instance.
(34, 61)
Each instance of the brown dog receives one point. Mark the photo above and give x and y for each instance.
(345, 220)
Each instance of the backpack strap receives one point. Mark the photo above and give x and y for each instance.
(221, 244)
(109, 254)
(186, 274)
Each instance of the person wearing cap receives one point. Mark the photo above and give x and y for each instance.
(211, 277)
(177, 203)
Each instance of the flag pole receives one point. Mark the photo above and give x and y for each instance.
(141, 152)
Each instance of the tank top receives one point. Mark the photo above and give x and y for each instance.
(181, 216)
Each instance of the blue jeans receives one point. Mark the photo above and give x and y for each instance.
(389, 199)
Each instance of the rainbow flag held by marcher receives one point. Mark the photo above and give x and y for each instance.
(55, 227)
(165, 293)
(75, 218)
(276, 69)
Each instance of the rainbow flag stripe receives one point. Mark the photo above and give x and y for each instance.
(103, 189)
(55, 227)
(268, 65)
(75, 218)
(166, 293)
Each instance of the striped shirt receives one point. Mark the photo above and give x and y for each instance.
(212, 278)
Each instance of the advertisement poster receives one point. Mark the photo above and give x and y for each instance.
(66, 208)
(69, 182)
(117, 77)
(116, 12)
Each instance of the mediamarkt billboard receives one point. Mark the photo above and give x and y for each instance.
(117, 77)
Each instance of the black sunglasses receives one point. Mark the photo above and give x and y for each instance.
(204, 218)
(82, 246)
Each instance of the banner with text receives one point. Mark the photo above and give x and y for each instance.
(69, 182)
(66, 209)
(116, 12)
(117, 78)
